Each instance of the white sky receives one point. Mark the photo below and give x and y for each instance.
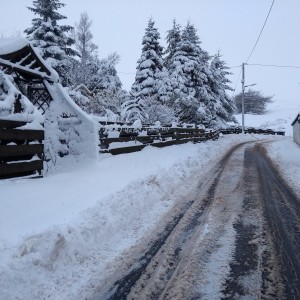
(231, 26)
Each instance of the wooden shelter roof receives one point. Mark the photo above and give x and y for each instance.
(17, 55)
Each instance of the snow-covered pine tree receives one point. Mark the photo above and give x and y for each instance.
(189, 72)
(50, 38)
(149, 65)
(222, 105)
(132, 109)
(173, 39)
(164, 84)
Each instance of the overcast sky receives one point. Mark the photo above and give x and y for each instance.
(231, 26)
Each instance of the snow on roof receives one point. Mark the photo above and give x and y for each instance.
(12, 45)
(9, 45)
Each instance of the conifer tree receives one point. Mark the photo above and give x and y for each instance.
(189, 72)
(173, 39)
(221, 105)
(149, 65)
(49, 37)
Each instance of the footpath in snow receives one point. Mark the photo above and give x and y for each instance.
(59, 234)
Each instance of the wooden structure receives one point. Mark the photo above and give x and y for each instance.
(21, 150)
(29, 72)
(296, 129)
(237, 130)
(130, 139)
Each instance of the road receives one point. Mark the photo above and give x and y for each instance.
(235, 236)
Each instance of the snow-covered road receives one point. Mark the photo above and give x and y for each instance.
(64, 236)
(235, 235)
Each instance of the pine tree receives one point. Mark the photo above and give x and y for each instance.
(50, 38)
(173, 39)
(189, 73)
(221, 106)
(149, 65)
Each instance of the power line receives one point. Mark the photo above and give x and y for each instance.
(261, 31)
(128, 73)
(275, 66)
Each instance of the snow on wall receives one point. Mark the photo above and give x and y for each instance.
(14, 105)
(70, 133)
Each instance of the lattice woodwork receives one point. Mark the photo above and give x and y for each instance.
(39, 97)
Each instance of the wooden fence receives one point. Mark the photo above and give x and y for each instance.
(120, 138)
(236, 130)
(21, 150)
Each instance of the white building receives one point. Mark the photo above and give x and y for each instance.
(296, 129)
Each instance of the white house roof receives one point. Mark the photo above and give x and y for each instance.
(296, 119)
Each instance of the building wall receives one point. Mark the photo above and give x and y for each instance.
(296, 133)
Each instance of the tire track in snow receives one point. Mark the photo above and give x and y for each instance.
(165, 254)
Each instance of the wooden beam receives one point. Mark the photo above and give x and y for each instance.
(21, 135)
(11, 124)
(124, 150)
(18, 169)
(20, 150)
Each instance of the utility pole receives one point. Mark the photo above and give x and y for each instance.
(243, 104)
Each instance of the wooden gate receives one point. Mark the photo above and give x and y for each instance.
(21, 150)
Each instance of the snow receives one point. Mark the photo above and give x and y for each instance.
(9, 94)
(286, 154)
(9, 45)
(279, 116)
(58, 234)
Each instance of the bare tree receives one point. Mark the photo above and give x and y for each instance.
(83, 38)
(83, 69)
(255, 103)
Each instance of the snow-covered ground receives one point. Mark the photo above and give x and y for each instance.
(279, 116)
(59, 234)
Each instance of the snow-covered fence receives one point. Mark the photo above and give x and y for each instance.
(122, 138)
(21, 150)
(237, 130)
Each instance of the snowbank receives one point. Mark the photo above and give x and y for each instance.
(286, 154)
(59, 234)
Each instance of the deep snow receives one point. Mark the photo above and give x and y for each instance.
(59, 235)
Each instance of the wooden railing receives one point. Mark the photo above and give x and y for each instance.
(236, 130)
(119, 139)
(21, 150)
